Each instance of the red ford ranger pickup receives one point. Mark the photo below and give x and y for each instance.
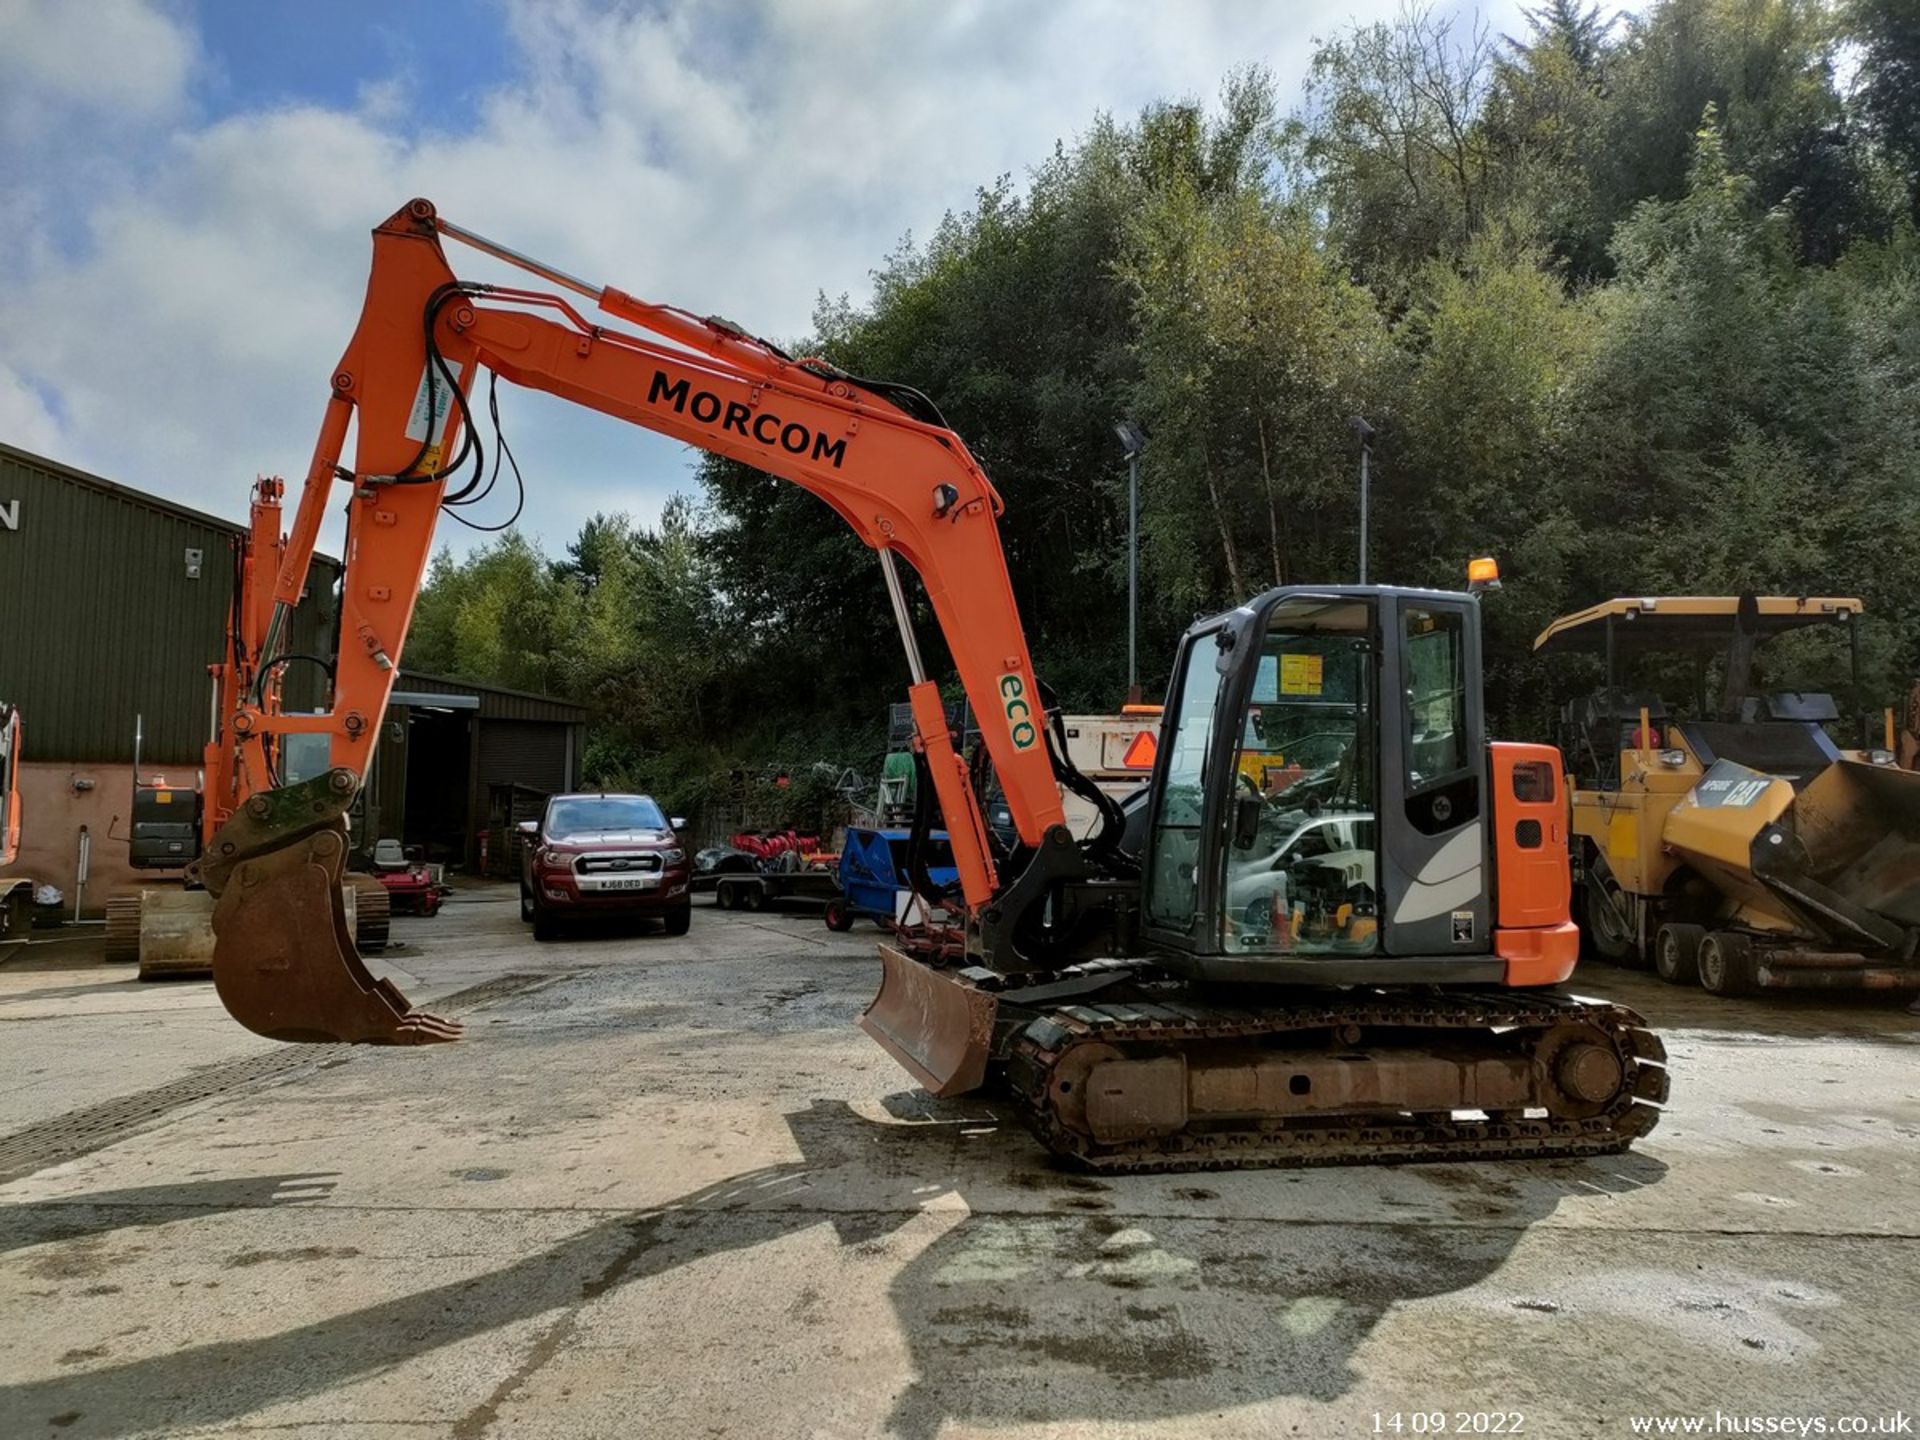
(603, 855)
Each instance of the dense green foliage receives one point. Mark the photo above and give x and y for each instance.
(1632, 304)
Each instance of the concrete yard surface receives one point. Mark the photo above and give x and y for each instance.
(665, 1188)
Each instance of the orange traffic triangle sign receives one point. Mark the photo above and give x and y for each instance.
(1140, 753)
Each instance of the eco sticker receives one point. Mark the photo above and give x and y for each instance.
(1463, 927)
(1013, 700)
(1301, 674)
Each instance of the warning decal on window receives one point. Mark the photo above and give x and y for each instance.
(1300, 674)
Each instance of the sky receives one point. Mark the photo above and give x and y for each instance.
(188, 187)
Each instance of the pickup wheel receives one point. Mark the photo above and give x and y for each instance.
(526, 903)
(546, 926)
(680, 921)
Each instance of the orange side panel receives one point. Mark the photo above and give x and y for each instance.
(1533, 877)
(1533, 874)
(1542, 956)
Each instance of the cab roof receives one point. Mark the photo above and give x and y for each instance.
(1688, 622)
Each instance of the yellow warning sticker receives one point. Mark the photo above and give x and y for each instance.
(1300, 674)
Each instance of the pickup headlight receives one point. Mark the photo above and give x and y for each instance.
(673, 856)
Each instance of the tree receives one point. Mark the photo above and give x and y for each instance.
(1887, 92)
(1254, 348)
(1389, 135)
(497, 616)
(1766, 66)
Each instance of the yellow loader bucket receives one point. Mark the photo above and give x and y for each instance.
(937, 1026)
(1854, 831)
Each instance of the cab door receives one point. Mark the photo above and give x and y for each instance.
(1433, 783)
(1177, 871)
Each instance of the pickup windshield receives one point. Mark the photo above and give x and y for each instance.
(590, 814)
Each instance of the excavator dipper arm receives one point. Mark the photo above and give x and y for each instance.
(905, 483)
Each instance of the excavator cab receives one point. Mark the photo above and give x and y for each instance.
(1362, 845)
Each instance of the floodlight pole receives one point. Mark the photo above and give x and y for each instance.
(1133, 439)
(1365, 431)
(1133, 577)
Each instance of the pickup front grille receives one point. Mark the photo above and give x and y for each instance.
(647, 863)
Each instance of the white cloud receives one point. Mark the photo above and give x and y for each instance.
(737, 159)
(119, 55)
(25, 420)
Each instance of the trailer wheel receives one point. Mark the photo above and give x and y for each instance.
(837, 916)
(1726, 964)
(754, 897)
(723, 895)
(1676, 953)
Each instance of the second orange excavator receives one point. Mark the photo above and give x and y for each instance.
(165, 924)
(1347, 953)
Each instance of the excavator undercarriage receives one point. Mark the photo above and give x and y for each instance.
(1120, 1066)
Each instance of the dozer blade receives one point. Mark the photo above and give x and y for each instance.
(284, 960)
(936, 1025)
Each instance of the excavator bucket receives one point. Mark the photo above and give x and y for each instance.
(937, 1026)
(284, 960)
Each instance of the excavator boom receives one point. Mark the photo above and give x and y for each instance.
(879, 455)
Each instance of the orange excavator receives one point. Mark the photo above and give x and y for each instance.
(1355, 963)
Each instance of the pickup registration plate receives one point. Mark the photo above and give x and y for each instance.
(619, 882)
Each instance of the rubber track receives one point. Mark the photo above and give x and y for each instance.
(1337, 1140)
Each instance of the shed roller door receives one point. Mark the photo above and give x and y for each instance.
(523, 752)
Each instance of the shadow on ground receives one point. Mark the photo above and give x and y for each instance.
(1158, 1318)
(145, 1207)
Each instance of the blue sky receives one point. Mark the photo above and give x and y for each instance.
(266, 53)
(189, 186)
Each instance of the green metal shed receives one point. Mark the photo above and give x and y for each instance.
(112, 605)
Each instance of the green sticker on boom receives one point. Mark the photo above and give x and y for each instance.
(1019, 713)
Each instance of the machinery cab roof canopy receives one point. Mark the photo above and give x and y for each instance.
(1695, 624)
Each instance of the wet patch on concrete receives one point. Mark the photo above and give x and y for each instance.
(305, 1253)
